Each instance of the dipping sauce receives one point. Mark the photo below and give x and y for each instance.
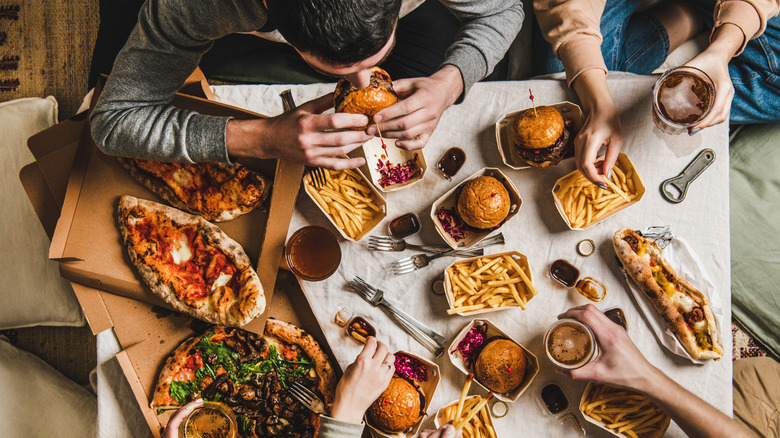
(617, 316)
(313, 253)
(451, 162)
(554, 398)
(564, 272)
(212, 420)
(591, 289)
(404, 225)
(360, 329)
(569, 343)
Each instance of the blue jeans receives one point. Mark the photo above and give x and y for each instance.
(638, 43)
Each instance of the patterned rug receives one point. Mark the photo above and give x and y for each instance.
(744, 346)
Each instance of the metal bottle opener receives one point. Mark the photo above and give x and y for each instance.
(684, 179)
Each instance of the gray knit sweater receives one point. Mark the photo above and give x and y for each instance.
(133, 116)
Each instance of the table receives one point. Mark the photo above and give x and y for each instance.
(538, 232)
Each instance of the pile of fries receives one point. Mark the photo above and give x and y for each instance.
(489, 282)
(470, 414)
(624, 412)
(585, 203)
(348, 199)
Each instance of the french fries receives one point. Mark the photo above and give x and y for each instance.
(488, 282)
(474, 421)
(624, 412)
(584, 203)
(348, 199)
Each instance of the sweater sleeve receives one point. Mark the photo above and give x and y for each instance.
(487, 29)
(133, 116)
(572, 27)
(750, 16)
(331, 428)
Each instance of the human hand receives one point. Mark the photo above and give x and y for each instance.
(602, 127)
(619, 363)
(422, 102)
(716, 65)
(363, 382)
(303, 135)
(172, 428)
(446, 431)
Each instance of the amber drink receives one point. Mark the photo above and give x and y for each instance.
(682, 97)
(313, 253)
(570, 344)
(212, 420)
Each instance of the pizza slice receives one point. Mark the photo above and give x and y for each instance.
(190, 263)
(250, 374)
(683, 307)
(217, 191)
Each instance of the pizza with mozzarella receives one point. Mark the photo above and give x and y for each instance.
(217, 191)
(250, 374)
(190, 263)
(684, 308)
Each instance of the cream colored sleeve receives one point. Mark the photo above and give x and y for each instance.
(748, 15)
(572, 27)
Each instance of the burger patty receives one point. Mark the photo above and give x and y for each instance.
(554, 154)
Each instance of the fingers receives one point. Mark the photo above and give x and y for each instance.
(416, 143)
(337, 121)
(339, 163)
(390, 360)
(172, 429)
(720, 109)
(447, 431)
(318, 105)
(381, 351)
(369, 349)
(613, 150)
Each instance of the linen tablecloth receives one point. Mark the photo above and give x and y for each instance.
(537, 231)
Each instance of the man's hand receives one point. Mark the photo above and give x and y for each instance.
(446, 431)
(304, 135)
(172, 428)
(363, 382)
(423, 100)
(714, 61)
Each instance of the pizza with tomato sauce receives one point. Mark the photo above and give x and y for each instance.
(217, 191)
(684, 308)
(250, 374)
(190, 263)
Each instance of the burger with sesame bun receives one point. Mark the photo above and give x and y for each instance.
(398, 408)
(370, 100)
(541, 136)
(500, 365)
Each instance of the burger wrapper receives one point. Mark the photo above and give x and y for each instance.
(428, 388)
(440, 421)
(626, 165)
(450, 201)
(531, 368)
(664, 425)
(374, 153)
(521, 260)
(506, 147)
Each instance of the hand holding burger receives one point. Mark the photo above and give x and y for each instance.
(368, 101)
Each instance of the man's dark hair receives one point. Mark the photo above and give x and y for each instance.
(336, 31)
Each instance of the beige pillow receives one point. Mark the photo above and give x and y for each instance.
(37, 401)
(33, 293)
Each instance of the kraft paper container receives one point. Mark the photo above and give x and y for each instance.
(428, 388)
(664, 423)
(506, 147)
(439, 420)
(521, 260)
(531, 368)
(368, 226)
(625, 165)
(374, 153)
(450, 200)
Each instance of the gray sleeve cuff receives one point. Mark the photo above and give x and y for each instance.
(331, 428)
(206, 138)
(470, 62)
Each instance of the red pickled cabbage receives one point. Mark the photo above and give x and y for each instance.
(410, 368)
(470, 344)
(452, 223)
(396, 174)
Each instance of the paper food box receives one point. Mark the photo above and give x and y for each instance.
(377, 158)
(655, 427)
(440, 420)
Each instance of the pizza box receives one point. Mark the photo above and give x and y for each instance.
(506, 147)
(449, 200)
(532, 363)
(375, 155)
(87, 242)
(521, 260)
(665, 422)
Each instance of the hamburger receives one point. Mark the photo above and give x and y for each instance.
(500, 365)
(483, 202)
(370, 100)
(398, 408)
(541, 137)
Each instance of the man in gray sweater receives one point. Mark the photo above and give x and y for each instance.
(340, 38)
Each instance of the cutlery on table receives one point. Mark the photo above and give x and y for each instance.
(307, 398)
(415, 262)
(390, 243)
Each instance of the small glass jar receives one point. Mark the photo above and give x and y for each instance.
(212, 420)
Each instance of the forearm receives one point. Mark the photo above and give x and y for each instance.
(245, 138)
(592, 89)
(452, 80)
(726, 42)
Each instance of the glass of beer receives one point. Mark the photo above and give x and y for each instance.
(313, 253)
(212, 420)
(682, 97)
(570, 344)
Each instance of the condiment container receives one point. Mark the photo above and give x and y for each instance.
(368, 226)
(491, 331)
(429, 389)
(520, 259)
(360, 329)
(312, 253)
(625, 164)
(506, 146)
(567, 275)
(440, 420)
(377, 156)
(553, 401)
(450, 163)
(617, 316)
(449, 201)
(404, 225)
(664, 426)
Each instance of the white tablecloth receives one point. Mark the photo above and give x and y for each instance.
(538, 232)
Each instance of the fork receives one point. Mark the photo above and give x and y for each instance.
(390, 243)
(316, 174)
(375, 297)
(417, 261)
(307, 398)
